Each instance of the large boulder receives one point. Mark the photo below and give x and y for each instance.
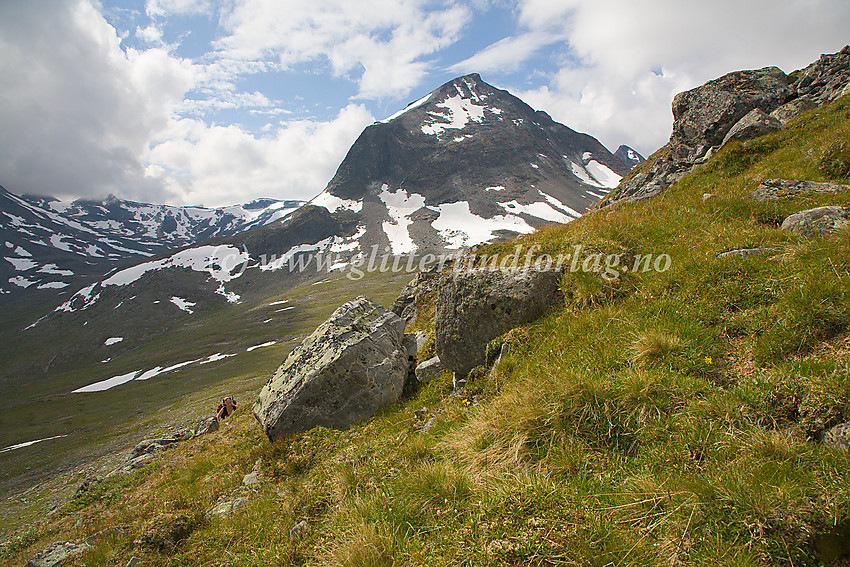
(353, 364)
(754, 124)
(704, 115)
(821, 221)
(476, 306)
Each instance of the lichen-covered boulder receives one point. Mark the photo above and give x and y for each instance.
(476, 306)
(704, 115)
(821, 221)
(353, 364)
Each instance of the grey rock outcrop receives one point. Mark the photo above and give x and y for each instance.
(704, 116)
(428, 370)
(56, 554)
(780, 188)
(476, 306)
(821, 221)
(756, 123)
(826, 79)
(353, 364)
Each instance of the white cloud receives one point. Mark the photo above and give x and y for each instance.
(165, 7)
(77, 110)
(507, 54)
(625, 60)
(220, 165)
(381, 43)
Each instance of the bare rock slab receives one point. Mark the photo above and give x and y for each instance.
(821, 221)
(780, 188)
(57, 554)
(476, 306)
(353, 364)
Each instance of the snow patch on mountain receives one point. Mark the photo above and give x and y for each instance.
(221, 262)
(459, 227)
(400, 205)
(410, 106)
(540, 210)
(459, 112)
(21, 264)
(603, 174)
(183, 304)
(333, 203)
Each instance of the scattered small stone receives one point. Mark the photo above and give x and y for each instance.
(56, 554)
(250, 478)
(837, 437)
(298, 530)
(741, 252)
(709, 197)
(429, 424)
(224, 509)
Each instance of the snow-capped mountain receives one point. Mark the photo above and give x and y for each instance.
(48, 246)
(629, 156)
(466, 164)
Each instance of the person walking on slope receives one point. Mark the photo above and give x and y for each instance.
(225, 408)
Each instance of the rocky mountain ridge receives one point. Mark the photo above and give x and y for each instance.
(735, 107)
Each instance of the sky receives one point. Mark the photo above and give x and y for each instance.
(217, 102)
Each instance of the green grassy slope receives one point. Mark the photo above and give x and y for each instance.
(663, 418)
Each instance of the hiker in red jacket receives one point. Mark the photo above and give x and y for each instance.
(225, 408)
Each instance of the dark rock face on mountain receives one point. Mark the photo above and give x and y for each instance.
(353, 364)
(724, 110)
(629, 156)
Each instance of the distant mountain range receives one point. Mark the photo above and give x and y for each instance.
(47, 245)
